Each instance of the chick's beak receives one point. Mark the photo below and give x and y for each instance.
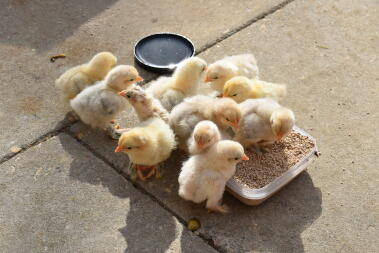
(235, 125)
(207, 79)
(118, 149)
(245, 157)
(139, 79)
(280, 135)
(200, 145)
(122, 93)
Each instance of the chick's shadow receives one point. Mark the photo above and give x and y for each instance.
(147, 229)
(274, 226)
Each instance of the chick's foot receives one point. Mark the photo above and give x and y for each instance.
(219, 208)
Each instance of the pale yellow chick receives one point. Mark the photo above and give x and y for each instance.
(241, 88)
(204, 176)
(219, 72)
(204, 135)
(170, 91)
(184, 117)
(263, 122)
(147, 145)
(76, 79)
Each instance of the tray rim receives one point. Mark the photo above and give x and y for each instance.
(279, 182)
(160, 67)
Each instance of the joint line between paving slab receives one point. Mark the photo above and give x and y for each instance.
(39, 140)
(243, 26)
(206, 239)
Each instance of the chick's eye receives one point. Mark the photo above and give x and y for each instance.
(129, 147)
(236, 158)
(216, 77)
(234, 95)
(227, 119)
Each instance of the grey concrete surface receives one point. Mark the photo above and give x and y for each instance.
(326, 51)
(58, 197)
(32, 31)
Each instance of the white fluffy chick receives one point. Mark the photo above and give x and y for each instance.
(204, 135)
(184, 83)
(99, 104)
(204, 176)
(76, 79)
(147, 145)
(144, 104)
(219, 72)
(263, 122)
(240, 88)
(184, 117)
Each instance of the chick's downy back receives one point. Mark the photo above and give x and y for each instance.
(96, 105)
(259, 116)
(223, 70)
(183, 83)
(204, 135)
(185, 116)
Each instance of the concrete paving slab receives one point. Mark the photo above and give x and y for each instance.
(327, 53)
(32, 31)
(58, 197)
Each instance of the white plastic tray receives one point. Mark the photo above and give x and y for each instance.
(254, 197)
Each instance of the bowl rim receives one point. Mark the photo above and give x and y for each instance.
(170, 67)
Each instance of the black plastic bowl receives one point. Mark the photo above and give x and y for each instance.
(162, 52)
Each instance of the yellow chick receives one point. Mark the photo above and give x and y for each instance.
(204, 135)
(184, 117)
(263, 122)
(240, 88)
(170, 91)
(219, 72)
(144, 104)
(204, 176)
(147, 145)
(99, 104)
(76, 79)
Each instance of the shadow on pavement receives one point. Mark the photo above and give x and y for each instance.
(274, 226)
(40, 24)
(148, 228)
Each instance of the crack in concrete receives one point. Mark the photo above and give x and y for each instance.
(243, 26)
(35, 142)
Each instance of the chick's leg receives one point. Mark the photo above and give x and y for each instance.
(152, 171)
(213, 202)
(132, 172)
(157, 173)
(140, 174)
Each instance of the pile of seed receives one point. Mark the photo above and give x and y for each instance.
(263, 168)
